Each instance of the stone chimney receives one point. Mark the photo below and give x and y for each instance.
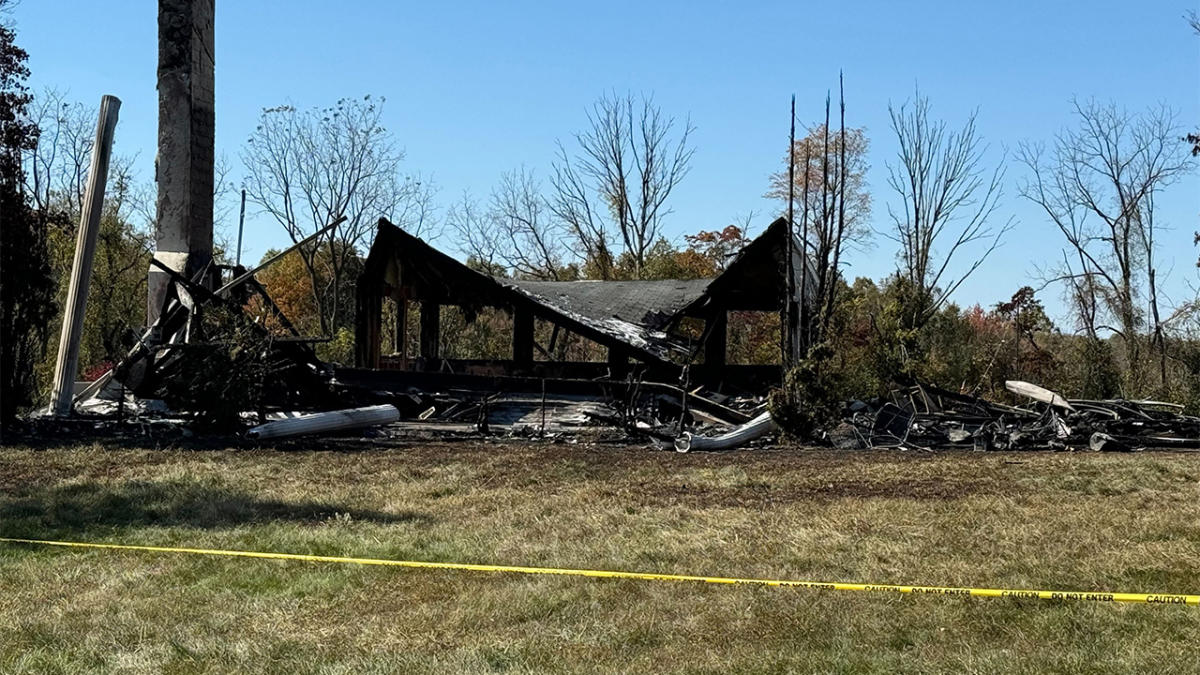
(184, 162)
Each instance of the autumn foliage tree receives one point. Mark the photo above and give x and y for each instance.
(809, 178)
(290, 287)
(289, 284)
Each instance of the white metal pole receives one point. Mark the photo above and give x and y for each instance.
(85, 249)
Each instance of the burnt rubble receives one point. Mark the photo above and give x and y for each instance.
(228, 362)
(921, 416)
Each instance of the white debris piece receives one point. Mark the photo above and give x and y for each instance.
(756, 428)
(1038, 394)
(335, 420)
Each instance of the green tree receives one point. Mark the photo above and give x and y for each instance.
(116, 306)
(26, 286)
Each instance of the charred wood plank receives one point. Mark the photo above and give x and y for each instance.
(522, 344)
(430, 330)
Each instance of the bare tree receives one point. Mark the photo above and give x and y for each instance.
(477, 235)
(1097, 184)
(56, 167)
(515, 233)
(533, 241)
(616, 186)
(947, 200)
(307, 168)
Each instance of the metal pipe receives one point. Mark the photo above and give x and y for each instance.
(67, 361)
(321, 422)
(756, 428)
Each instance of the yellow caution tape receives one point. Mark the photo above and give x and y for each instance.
(1151, 598)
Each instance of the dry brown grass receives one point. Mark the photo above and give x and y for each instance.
(1070, 521)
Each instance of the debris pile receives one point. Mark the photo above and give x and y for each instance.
(924, 416)
(229, 361)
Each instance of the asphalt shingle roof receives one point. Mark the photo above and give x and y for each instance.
(646, 303)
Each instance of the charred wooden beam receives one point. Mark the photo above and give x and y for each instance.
(618, 362)
(367, 320)
(430, 330)
(402, 329)
(522, 343)
(716, 342)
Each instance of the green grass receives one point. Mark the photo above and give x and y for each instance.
(1059, 521)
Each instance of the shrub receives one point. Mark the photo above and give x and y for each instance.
(813, 395)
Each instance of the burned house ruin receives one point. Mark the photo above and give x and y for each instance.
(652, 357)
(669, 332)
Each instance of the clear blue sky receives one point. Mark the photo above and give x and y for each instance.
(478, 88)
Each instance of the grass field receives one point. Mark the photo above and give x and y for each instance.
(1060, 521)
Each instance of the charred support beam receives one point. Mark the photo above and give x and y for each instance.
(402, 330)
(367, 319)
(430, 331)
(618, 362)
(715, 346)
(522, 342)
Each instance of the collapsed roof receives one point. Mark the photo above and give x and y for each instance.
(651, 304)
(637, 318)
